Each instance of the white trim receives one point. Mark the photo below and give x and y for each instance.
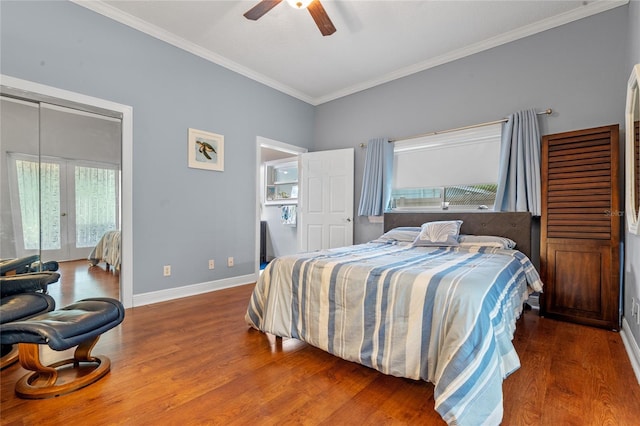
(632, 348)
(162, 34)
(118, 15)
(280, 146)
(68, 110)
(517, 34)
(6, 98)
(191, 290)
(126, 272)
(633, 95)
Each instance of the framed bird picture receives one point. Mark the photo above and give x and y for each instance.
(206, 150)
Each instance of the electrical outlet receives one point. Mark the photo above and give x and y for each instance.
(230, 262)
(212, 264)
(167, 270)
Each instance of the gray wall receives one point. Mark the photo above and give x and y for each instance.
(579, 70)
(632, 246)
(181, 216)
(184, 216)
(281, 239)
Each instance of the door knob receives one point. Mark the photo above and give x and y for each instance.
(63, 214)
(348, 219)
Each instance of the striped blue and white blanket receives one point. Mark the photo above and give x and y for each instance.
(444, 315)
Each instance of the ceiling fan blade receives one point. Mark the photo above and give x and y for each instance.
(260, 9)
(322, 19)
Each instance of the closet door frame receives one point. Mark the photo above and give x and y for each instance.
(46, 93)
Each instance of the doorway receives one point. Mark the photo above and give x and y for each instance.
(267, 150)
(26, 91)
(324, 199)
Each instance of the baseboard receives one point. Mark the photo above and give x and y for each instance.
(632, 348)
(191, 290)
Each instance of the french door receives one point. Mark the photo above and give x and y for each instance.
(63, 206)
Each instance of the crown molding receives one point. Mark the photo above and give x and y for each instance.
(590, 9)
(587, 10)
(154, 31)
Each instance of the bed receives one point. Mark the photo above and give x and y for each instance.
(107, 250)
(440, 313)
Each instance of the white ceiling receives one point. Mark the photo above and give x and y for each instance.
(375, 42)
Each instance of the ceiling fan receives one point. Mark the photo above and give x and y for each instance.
(315, 8)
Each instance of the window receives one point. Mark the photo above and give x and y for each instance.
(457, 169)
(96, 203)
(29, 182)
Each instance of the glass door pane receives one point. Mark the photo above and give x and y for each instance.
(38, 188)
(96, 205)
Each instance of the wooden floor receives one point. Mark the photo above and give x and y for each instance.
(193, 361)
(79, 280)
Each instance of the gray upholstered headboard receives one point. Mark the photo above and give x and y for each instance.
(513, 225)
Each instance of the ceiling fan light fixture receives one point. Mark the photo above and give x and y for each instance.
(299, 4)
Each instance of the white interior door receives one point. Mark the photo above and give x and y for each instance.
(325, 218)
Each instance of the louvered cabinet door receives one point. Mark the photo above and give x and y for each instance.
(580, 227)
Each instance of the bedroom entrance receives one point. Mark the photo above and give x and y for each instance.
(68, 177)
(273, 238)
(323, 203)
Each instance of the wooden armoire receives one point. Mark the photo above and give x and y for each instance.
(580, 227)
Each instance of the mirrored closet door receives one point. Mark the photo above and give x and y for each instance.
(61, 177)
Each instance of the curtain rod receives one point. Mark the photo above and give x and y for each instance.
(545, 112)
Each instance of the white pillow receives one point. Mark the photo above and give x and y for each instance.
(440, 233)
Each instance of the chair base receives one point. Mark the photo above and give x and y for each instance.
(62, 377)
(9, 358)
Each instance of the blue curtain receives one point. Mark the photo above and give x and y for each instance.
(519, 174)
(376, 181)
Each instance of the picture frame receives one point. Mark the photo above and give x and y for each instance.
(205, 150)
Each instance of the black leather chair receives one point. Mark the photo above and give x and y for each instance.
(18, 307)
(80, 324)
(28, 282)
(23, 296)
(23, 265)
